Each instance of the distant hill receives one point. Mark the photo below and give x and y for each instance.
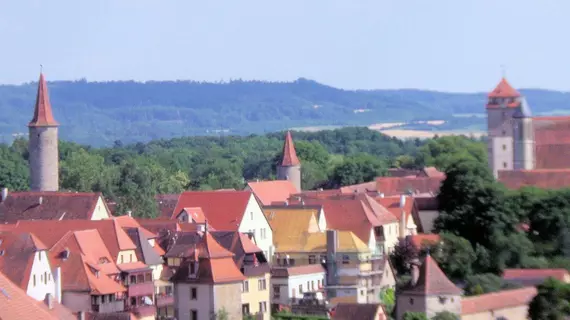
(99, 113)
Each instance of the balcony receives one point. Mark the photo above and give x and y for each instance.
(163, 300)
(109, 307)
(142, 310)
(141, 289)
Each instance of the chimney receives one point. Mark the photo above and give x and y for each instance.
(286, 203)
(403, 224)
(57, 283)
(332, 247)
(49, 300)
(4, 194)
(380, 195)
(81, 315)
(129, 213)
(402, 201)
(40, 200)
(205, 225)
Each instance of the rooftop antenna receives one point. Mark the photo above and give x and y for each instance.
(41, 68)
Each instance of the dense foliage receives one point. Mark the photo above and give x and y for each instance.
(552, 301)
(98, 113)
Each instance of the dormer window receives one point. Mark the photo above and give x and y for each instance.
(192, 269)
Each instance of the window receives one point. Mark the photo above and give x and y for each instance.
(319, 283)
(133, 279)
(504, 147)
(245, 308)
(312, 285)
(345, 259)
(45, 277)
(262, 233)
(122, 259)
(193, 293)
(312, 259)
(131, 257)
(411, 301)
(40, 256)
(504, 165)
(261, 284)
(148, 277)
(300, 288)
(245, 286)
(192, 268)
(251, 215)
(103, 300)
(34, 280)
(133, 301)
(291, 262)
(263, 307)
(276, 292)
(193, 314)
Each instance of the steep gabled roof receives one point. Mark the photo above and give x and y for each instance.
(504, 90)
(432, 281)
(350, 311)
(47, 205)
(400, 185)
(534, 277)
(43, 116)
(497, 300)
(289, 154)
(18, 253)
(16, 304)
(269, 192)
(224, 210)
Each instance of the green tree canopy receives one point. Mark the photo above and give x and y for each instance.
(552, 301)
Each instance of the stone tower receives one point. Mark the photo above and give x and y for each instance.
(42, 148)
(523, 133)
(503, 102)
(429, 292)
(290, 167)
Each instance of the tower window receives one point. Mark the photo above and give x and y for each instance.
(504, 147)
(504, 165)
(504, 132)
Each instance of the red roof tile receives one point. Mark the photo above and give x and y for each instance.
(548, 179)
(432, 172)
(269, 192)
(166, 204)
(390, 186)
(432, 281)
(19, 250)
(421, 240)
(497, 300)
(552, 142)
(540, 274)
(504, 90)
(130, 222)
(43, 116)
(223, 209)
(196, 214)
(52, 206)
(289, 154)
(393, 205)
(159, 225)
(16, 304)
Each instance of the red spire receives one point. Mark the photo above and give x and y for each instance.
(433, 281)
(504, 90)
(289, 155)
(43, 116)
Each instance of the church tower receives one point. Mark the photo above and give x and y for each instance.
(290, 167)
(503, 102)
(43, 144)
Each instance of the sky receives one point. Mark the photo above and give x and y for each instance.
(445, 45)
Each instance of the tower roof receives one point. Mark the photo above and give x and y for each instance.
(432, 281)
(43, 116)
(289, 155)
(504, 90)
(523, 111)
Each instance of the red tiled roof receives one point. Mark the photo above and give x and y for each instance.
(421, 240)
(50, 231)
(432, 281)
(196, 214)
(353, 311)
(359, 188)
(395, 186)
(130, 222)
(166, 204)
(43, 116)
(223, 209)
(54, 206)
(432, 172)
(393, 205)
(541, 274)
(497, 300)
(158, 225)
(19, 250)
(552, 142)
(269, 192)
(133, 266)
(504, 90)
(289, 154)
(16, 304)
(543, 178)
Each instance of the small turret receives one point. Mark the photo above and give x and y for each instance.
(290, 167)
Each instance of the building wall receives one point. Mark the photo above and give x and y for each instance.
(254, 295)
(203, 304)
(225, 298)
(156, 271)
(500, 134)
(289, 287)
(100, 211)
(313, 225)
(519, 312)
(388, 277)
(127, 256)
(292, 174)
(391, 236)
(76, 301)
(429, 305)
(322, 220)
(255, 221)
(523, 144)
(44, 278)
(44, 159)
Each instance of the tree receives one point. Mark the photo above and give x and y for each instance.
(552, 301)
(486, 283)
(414, 316)
(402, 257)
(455, 256)
(445, 315)
(388, 299)
(222, 314)
(14, 173)
(357, 169)
(443, 152)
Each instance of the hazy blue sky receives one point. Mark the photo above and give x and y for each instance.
(452, 45)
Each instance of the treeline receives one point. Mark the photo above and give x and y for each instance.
(133, 174)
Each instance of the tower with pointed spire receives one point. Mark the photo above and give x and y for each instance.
(290, 166)
(509, 127)
(43, 143)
